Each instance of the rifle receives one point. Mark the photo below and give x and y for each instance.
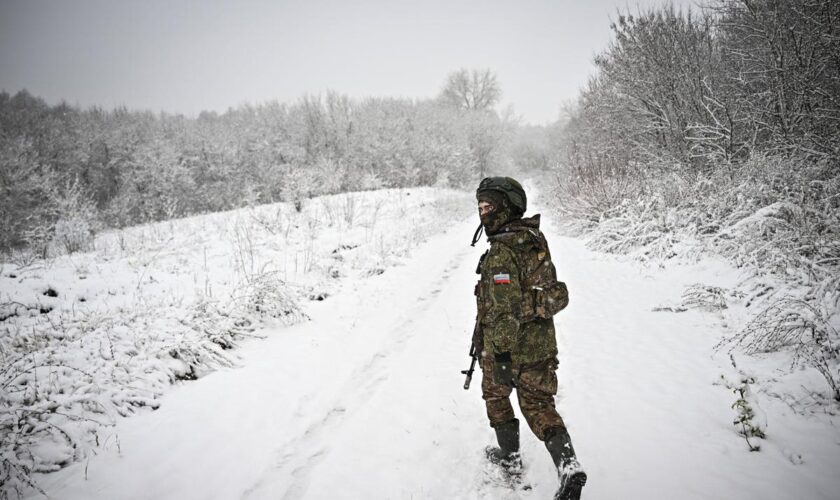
(477, 342)
(474, 354)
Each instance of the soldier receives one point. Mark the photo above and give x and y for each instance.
(517, 295)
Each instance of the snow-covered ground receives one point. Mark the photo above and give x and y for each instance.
(90, 337)
(365, 399)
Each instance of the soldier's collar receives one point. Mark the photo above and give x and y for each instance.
(530, 224)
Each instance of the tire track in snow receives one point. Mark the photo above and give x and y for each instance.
(290, 476)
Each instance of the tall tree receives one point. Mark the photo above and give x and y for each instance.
(474, 90)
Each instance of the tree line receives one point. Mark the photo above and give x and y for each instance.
(721, 125)
(68, 172)
(703, 91)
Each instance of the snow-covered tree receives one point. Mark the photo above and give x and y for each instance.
(476, 89)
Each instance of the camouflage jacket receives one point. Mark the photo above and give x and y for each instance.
(500, 296)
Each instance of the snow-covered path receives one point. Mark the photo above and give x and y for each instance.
(366, 401)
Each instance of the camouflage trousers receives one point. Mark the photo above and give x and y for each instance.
(536, 385)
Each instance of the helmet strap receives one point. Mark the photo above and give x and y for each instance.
(477, 234)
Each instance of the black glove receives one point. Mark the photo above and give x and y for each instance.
(503, 371)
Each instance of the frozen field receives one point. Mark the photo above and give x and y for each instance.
(359, 395)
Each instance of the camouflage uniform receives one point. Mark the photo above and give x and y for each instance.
(502, 328)
(517, 296)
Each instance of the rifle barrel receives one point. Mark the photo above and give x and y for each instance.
(469, 372)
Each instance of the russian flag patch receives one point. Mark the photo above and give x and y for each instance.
(501, 279)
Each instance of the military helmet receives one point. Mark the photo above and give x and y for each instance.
(508, 187)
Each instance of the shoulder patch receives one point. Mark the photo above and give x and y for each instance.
(501, 279)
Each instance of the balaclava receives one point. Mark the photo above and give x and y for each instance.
(502, 212)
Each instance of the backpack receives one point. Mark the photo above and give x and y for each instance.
(542, 295)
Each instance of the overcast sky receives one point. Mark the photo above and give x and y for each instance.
(187, 56)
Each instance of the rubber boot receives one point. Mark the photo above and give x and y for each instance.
(571, 474)
(507, 453)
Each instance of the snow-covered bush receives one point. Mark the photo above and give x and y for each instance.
(795, 325)
(25, 191)
(709, 298)
(636, 225)
(77, 220)
(66, 377)
(73, 234)
(267, 296)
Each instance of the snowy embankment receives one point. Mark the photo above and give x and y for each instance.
(88, 338)
(365, 400)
